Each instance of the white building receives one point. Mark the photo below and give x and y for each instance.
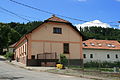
(11, 48)
(101, 50)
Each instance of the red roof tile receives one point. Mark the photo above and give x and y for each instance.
(101, 44)
(54, 18)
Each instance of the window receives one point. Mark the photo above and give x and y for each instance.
(113, 46)
(108, 56)
(92, 44)
(25, 53)
(33, 57)
(57, 30)
(84, 55)
(109, 45)
(99, 45)
(19, 50)
(91, 55)
(66, 47)
(84, 44)
(116, 56)
(23, 48)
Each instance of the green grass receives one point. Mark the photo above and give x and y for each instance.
(77, 67)
(106, 69)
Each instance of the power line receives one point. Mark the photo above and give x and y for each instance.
(14, 14)
(6, 13)
(22, 15)
(55, 14)
(46, 11)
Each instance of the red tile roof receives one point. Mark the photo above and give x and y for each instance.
(54, 18)
(101, 44)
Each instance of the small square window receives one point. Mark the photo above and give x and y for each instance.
(84, 44)
(108, 56)
(33, 57)
(116, 56)
(84, 55)
(57, 30)
(91, 55)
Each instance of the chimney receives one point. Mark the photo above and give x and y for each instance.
(53, 15)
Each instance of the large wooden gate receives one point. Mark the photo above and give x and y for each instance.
(47, 59)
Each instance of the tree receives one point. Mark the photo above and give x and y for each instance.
(4, 36)
(100, 33)
(14, 36)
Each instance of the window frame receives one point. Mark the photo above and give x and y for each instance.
(108, 56)
(32, 56)
(116, 56)
(91, 55)
(84, 56)
(66, 46)
(57, 30)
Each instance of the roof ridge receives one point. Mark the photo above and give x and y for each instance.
(58, 19)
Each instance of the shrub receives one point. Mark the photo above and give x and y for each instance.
(104, 64)
(9, 55)
(63, 60)
(91, 64)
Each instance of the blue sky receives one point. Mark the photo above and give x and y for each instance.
(103, 10)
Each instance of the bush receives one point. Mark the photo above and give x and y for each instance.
(91, 64)
(63, 60)
(104, 64)
(9, 55)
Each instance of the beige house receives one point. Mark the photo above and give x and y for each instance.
(101, 50)
(44, 44)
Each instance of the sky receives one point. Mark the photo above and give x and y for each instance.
(88, 10)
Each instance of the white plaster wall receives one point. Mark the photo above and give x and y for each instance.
(11, 50)
(101, 55)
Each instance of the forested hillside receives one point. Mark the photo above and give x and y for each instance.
(101, 33)
(12, 32)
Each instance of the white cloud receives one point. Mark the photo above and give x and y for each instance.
(96, 23)
(82, 0)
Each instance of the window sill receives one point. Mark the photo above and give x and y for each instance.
(66, 53)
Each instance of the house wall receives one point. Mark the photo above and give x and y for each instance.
(21, 52)
(101, 55)
(43, 40)
(11, 49)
